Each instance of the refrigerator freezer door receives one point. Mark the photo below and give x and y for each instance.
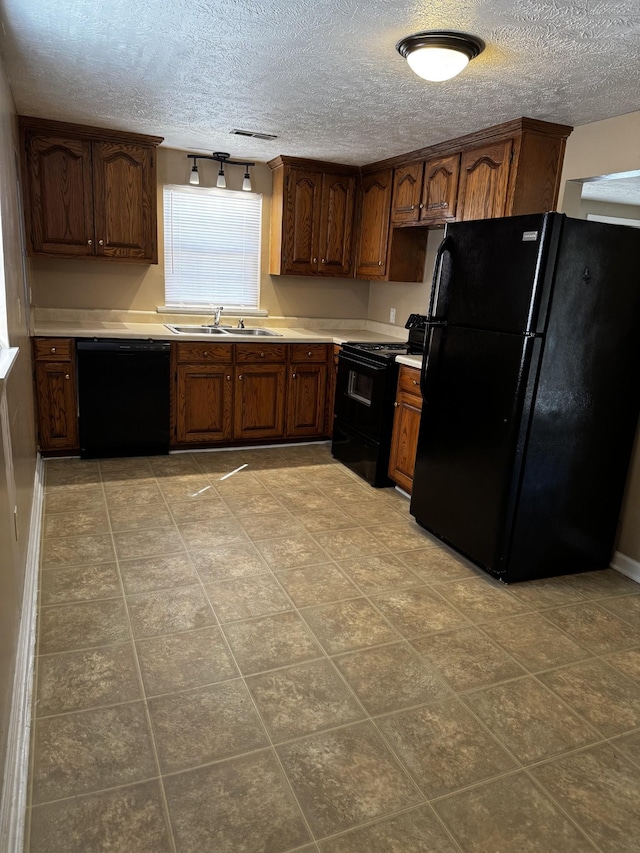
(464, 482)
(490, 273)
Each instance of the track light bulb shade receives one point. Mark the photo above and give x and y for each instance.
(246, 182)
(221, 182)
(439, 54)
(194, 178)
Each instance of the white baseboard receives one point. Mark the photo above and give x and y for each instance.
(16, 770)
(626, 566)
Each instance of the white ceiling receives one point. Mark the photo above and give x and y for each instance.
(323, 75)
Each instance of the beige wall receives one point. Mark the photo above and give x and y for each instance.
(86, 284)
(605, 148)
(17, 456)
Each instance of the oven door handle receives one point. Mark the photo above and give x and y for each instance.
(363, 366)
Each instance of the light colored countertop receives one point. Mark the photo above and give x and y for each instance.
(410, 360)
(158, 331)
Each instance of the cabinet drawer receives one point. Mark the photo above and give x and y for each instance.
(308, 352)
(53, 349)
(409, 380)
(260, 352)
(206, 352)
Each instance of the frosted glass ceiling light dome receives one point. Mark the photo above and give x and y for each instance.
(439, 55)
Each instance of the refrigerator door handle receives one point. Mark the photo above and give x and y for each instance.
(437, 275)
(428, 342)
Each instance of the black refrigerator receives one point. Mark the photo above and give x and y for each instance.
(531, 388)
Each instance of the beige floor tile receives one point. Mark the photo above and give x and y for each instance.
(601, 584)
(529, 720)
(71, 472)
(76, 523)
(244, 598)
(66, 627)
(535, 642)
(130, 818)
(288, 552)
(90, 751)
(369, 514)
(132, 493)
(593, 627)
(150, 573)
(481, 599)
(435, 564)
(625, 606)
(444, 747)
(388, 678)
(414, 831)
(273, 526)
(466, 659)
(219, 533)
(270, 642)
(354, 542)
(509, 815)
(322, 520)
(79, 498)
(347, 625)
(228, 561)
(317, 584)
(125, 468)
(249, 505)
(178, 661)
(204, 725)
(345, 777)
(630, 746)
(176, 464)
(379, 572)
(601, 694)
(204, 512)
(157, 541)
(140, 517)
(240, 804)
(242, 483)
(402, 536)
(546, 592)
(218, 461)
(74, 681)
(302, 499)
(77, 551)
(183, 608)
(347, 493)
(193, 488)
(303, 699)
(80, 583)
(628, 662)
(600, 790)
(419, 610)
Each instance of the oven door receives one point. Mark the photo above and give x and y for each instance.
(361, 395)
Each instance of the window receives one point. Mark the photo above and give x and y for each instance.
(212, 248)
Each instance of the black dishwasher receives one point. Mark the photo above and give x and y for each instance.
(123, 393)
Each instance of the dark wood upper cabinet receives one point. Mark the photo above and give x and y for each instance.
(440, 190)
(375, 208)
(89, 192)
(407, 190)
(484, 178)
(312, 206)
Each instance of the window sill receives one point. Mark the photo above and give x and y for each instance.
(8, 357)
(206, 311)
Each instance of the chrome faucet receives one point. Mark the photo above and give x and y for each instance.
(241, 323)
(216, 315)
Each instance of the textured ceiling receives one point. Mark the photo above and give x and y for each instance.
(321, 74)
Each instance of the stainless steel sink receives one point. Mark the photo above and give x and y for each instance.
(221, 330)
(259, 333)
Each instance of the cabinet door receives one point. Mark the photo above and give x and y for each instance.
(440, 190)
(374, 225)
(302, 221)
(259, 401)
(407, 186)
(204, 403)
(59, 197)
(306, 399)
(484, 176)
(57, 405)
(125, 201)
(404, 439)
(336, 224)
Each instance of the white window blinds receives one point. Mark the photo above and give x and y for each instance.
(211, 247)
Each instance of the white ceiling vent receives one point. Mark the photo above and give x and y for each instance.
(254, 133)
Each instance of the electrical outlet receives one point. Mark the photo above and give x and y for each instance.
(392, 315)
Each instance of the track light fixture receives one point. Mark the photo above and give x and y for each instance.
(438, 55)
(224, 160)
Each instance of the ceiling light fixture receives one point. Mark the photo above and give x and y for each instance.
(439, 55)
(222, 158)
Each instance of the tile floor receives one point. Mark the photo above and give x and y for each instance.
(282, 661)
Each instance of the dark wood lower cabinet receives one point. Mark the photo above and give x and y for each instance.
(57, 405)
(306, 400)
(259, 403)
(204, 403)
(406, 425)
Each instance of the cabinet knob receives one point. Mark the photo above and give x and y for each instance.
(323, 261)
(261, 355)
(421, 205)
(293, 376)
(395, 405)
(53, 349)
(100, 242)
(205, 354)
(379, 263)
(89, 242)
(414, 381)
(314, 260)
(66, 376)
(309, 354)
(240, 376)
(413, 207)
(228, 377)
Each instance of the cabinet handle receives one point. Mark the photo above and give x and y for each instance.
(89, 242)
(395, 405)
(101, 242)
(66, 376)
(53, 349)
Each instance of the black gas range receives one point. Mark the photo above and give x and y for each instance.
(363, 414)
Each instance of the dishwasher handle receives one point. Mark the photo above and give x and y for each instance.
(111, 345)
